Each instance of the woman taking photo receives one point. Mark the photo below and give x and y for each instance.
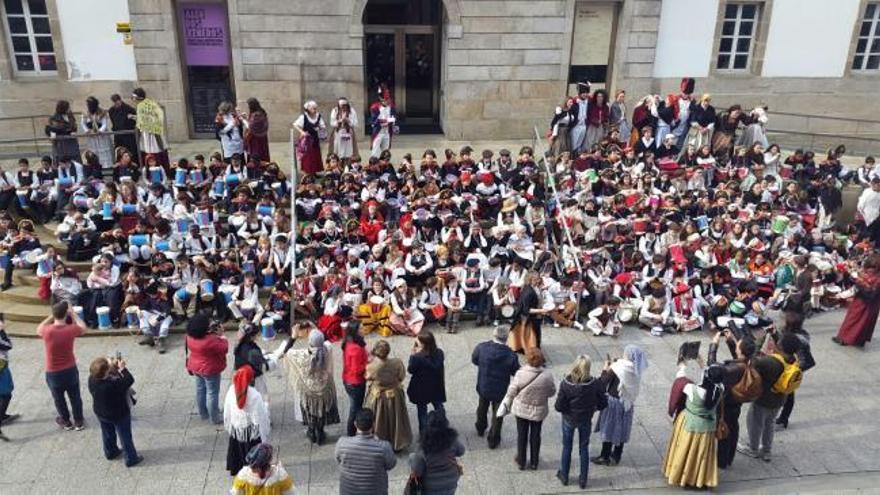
(435, 464)
(354, 368)
(861, 316)
(427, 384)
(206, 348)
(386, 399)
(615, 421)
(691, 457)
(580, 395)
(245, 418)
(527, 396)
(110, 383)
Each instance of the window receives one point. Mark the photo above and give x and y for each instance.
(27, 22)
(737, 36)
(868, 44)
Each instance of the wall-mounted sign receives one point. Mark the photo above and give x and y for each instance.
(205, 36)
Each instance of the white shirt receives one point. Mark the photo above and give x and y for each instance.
(869, 205)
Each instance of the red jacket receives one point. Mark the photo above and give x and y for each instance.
(207, 356)
(354, 364)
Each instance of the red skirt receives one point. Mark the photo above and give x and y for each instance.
(309, 155)
(258, 146)
(858, 325)
(331, 327)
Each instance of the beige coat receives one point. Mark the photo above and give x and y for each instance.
(385, 396)
(530, 399)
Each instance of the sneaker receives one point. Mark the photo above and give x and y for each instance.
(555, 325)
(79, 425)
(578, 325)
(747, 451)
(64, 423)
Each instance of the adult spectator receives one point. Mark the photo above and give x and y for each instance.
(263, 475)
(61, 129)
(764, 410)
(426, 386)
(580, 396)
(58, 331)
(230, 128)
(110, 385)
(206, 348)
(495, 363)
(123, 116)
(95, 123)
(624, 378)
(364, 460)
(527, 397)
(385, 396)
(743, 351)
(256, 136)
(435, 465)
(6, 385)
(354, 368)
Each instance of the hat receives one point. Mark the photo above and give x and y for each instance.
(377, 300)
(681, 288)
(623, 278)
(398, 283)
(465, 176)
(583, 87)
(737, 308)
(687, 85)
(669, 136)
(508, 205)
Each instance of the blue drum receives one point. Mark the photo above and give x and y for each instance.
(79, 312)
(203, 217)
(180, 177)
(182, 294)
(267, 327)
(247, 266)
(156, 175)
(702, 223)
(163, 246)
(65, 182)
(219, 187)
(103, 313)
(265, 210)
(22, 197)
(43, 266)
(129, 209)
(4, 259)
(183, 225)
(233, 180)
(107, 210)
(268, 278)
(82, 202)
(278, 187)
(207, 289)
(132, 316)
(196, 176)
(139, 240)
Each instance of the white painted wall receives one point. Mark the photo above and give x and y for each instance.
(809, 38)
(685, 38)
(94, 51)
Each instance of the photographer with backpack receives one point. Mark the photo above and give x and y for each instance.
(742, 384)
(781, 375)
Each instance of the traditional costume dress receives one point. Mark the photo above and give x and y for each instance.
(578, 112)
(383, 116)
(256, 137)
(343, 137)
(861, 316)
(685, 109)
(375, 315)
(597, 123)
(405, 318)
(387, 399)
(615, 421)
(101, 145)
(245, 418)
(559, 132)
(308, 147)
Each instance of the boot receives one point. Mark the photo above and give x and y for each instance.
(161, 346)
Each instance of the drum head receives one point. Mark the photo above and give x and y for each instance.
(625, 315)
(507, 311)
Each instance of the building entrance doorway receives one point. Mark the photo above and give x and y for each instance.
(402, 51)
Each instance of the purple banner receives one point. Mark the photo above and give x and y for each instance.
(205, 36)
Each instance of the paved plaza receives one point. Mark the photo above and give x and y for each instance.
(833, 442)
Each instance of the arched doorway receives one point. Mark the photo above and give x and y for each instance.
(402, 48)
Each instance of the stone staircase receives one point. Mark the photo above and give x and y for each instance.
(23, 310)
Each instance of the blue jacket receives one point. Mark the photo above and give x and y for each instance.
(496, 363)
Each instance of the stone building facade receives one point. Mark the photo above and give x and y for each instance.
(487, 68)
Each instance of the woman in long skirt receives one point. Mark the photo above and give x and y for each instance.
(256, 137)
(310, 372)
(692, 453)
(861, 316)
(312, 129)
(560, 141)
(61, 127)
(343, 138)
(245, 418)
(386, 398)
(92, 122)
(615, 421)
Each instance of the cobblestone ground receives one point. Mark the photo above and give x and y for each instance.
(832, 444)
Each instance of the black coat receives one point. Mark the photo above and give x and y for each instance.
(578, 401)
(110, 396)
(496, 363)
(427, 383)
(249, 353)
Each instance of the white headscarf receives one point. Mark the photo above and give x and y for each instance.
(629, 371)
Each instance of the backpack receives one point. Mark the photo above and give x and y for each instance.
(749, 387)
(791, 376)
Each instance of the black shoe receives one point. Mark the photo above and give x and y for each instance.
(5, 287)
(9, 418)
(493, 443)
(602, 461)
(562, 479)
(613, 462)
(135, 462)
(782, 423)
(533, 466)
(520, 465)
(480, 432)
(837, 340)
(582, 484)
(114, 455)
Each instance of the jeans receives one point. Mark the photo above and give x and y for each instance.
(66, 382)
(528, 432)
(422, 412)
(110, 429)
(355, 403)
(760, 422)
(208, 397)
(494, 423)
(583, 430)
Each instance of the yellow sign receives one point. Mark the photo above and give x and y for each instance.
(123, 27)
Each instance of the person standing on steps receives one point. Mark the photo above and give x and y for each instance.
(58, 331)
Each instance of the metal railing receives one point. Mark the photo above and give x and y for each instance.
(36, 147)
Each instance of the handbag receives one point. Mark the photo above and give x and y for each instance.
(721, 428)
(504, 407)
(413, 485)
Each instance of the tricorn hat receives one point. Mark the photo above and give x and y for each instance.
(583, 87)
